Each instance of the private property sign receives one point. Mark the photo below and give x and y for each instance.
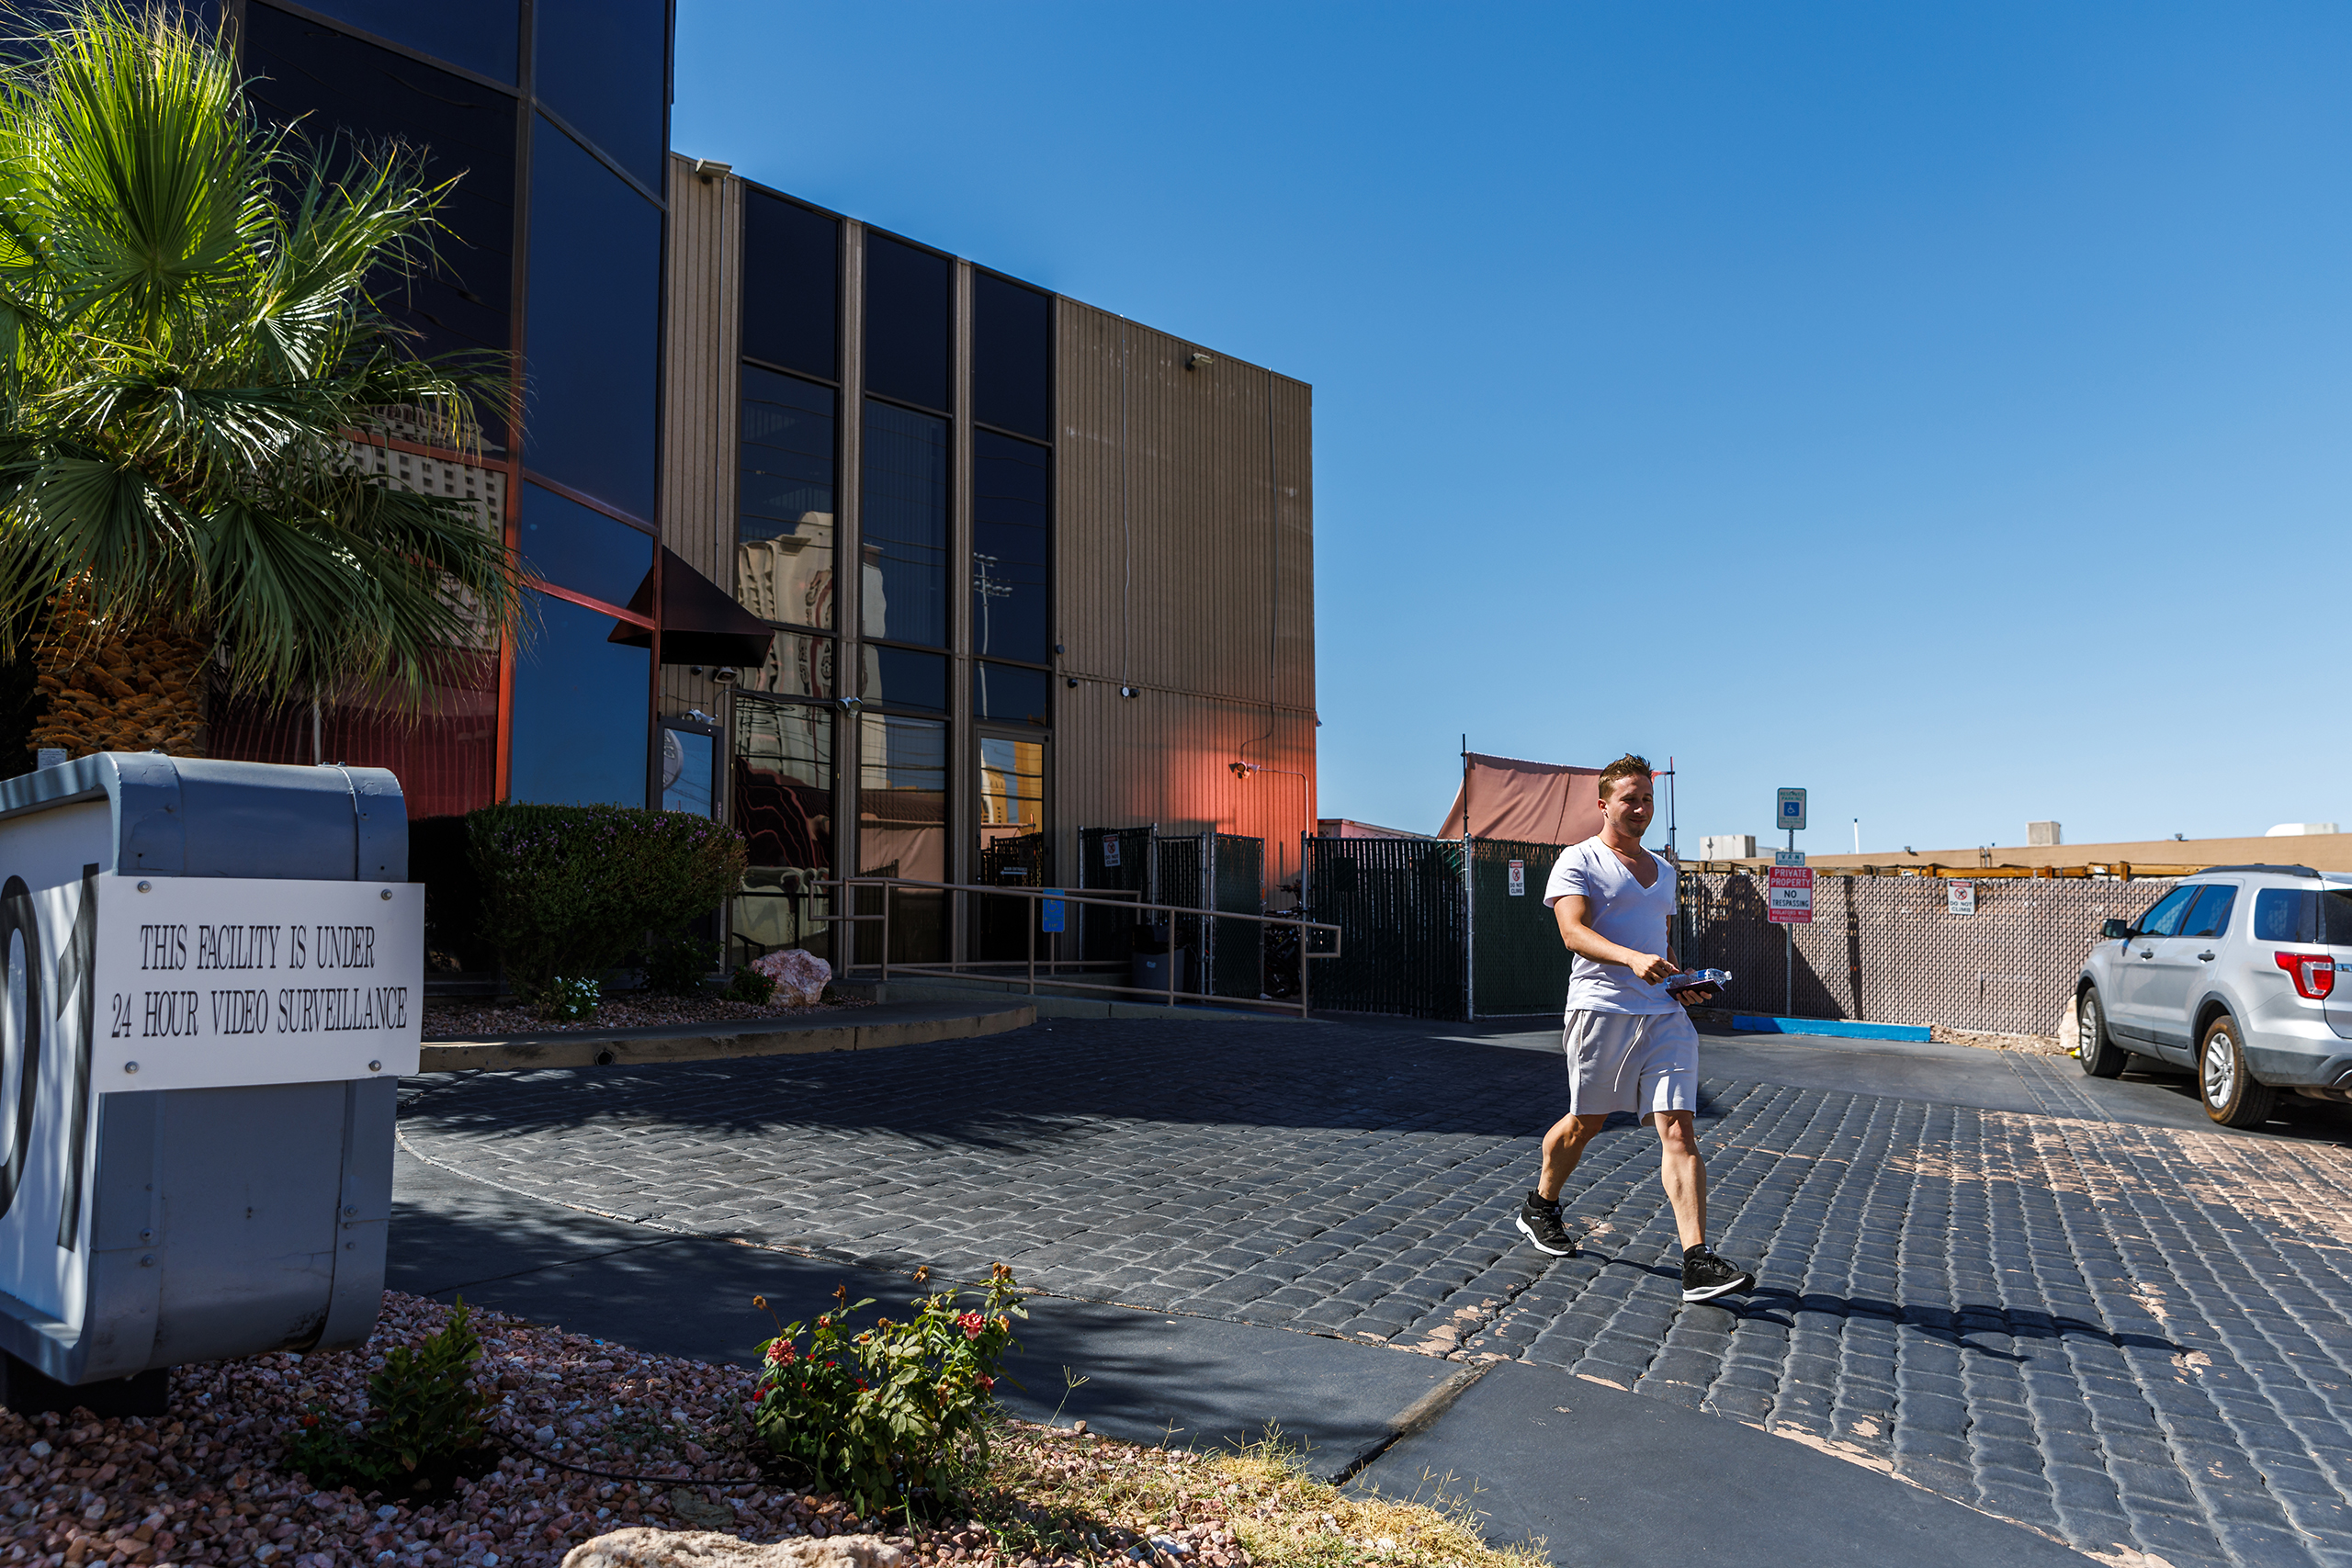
(1789, 896)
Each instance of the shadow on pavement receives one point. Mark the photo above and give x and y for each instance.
(1144, 1376)
(1602, 1476)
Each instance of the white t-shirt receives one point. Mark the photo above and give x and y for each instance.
(1621, 909)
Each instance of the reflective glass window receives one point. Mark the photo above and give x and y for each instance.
(792, 267)
(1012, 548)
(1013, 356)
(784, 520)
(603, 65)
(1012, 788)
(795, 666)
(1010, 694)
(332, 82)
(579, 728)
(2210, 916)
(1012, 849)
(594, 331)
(780, 797)
(689, 764)
(902, 829)
(906, 524)
(480, 35)
(2281, 914)
(906, 322)
(2164, 918)
(905, 679)
(578, 547)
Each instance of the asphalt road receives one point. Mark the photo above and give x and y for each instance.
(2063, 1311)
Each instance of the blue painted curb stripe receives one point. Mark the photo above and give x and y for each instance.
(1916, 1032)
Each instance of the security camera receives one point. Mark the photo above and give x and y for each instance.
(724, 675)
(1128, 692)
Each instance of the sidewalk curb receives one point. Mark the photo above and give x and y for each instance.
(1843, 1029)
(1416, 1417)
(595, 1048)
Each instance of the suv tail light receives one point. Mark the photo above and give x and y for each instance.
(2315, 972)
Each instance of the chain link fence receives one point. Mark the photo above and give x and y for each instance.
(1888, 950)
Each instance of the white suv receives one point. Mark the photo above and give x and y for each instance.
(2231, 974)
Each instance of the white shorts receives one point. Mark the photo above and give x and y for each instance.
(1642, 1062)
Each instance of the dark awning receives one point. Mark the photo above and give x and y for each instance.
(700, 625)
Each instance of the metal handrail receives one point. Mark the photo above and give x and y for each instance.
(1114, 900)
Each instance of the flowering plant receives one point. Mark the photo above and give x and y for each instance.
(887, 1416)
(572, 995)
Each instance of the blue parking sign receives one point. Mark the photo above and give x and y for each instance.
(1049, 914)
(1791, 809)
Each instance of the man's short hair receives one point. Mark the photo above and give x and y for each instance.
(1625, 767)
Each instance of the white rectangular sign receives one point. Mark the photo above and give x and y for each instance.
(1789, 809)
(1519, 879)
(1788, 857)
(204, 981)
(1959, 898)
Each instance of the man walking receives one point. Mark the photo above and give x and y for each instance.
(1629, 1041)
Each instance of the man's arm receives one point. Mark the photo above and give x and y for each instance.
(1571, 910)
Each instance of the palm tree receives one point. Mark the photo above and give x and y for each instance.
(192, 338)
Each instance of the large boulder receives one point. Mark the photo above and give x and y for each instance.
(639, 1547)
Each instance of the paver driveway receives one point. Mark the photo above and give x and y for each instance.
(2137, 1339)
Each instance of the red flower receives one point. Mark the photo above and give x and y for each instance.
(987, 1381)
(780, 1353)
(972, 1324)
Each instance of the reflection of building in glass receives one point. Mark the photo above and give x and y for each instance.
(782, 785)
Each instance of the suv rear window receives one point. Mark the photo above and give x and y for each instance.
(2295, 914)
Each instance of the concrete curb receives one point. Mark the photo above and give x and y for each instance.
(761, 1037)
(1843, 1029)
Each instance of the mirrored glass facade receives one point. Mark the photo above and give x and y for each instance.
(906, 481)
(784, 518)
(781, 793)
(569, 217)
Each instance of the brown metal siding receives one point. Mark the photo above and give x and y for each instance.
(1184, 531)
(700, 389)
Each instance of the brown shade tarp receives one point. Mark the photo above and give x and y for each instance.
(1531, 803)
(701, 623)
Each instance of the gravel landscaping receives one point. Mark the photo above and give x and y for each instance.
(458, 1019)
(203, 1483)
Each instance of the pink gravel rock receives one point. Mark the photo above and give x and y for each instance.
(641, 1548)
(801, 976)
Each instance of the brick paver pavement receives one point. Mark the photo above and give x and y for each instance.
(2135, 1339)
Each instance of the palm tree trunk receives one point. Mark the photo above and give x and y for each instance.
(131, 689)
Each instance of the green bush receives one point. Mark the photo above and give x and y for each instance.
(569, 997)
(677, 965)
(574, 889)
(427, 1421)
(890, 1418)
(748, 985)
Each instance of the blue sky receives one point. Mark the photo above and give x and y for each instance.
(1942, 408)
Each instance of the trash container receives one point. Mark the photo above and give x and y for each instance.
(211, 980)
(1151, 955)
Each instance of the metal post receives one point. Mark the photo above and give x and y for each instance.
(1788, 932)
(1469, 922)
(1032, 910)
(886, 891)
(1300, 929)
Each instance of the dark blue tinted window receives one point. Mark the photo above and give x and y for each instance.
(784, 520)
(2210, 916)
(603, 65)
(2164, 918)
(906, 322)
(480, 35)
(332, 84)
(792, 271)
(906, 525)
(1013, 356)
(1009, 693)
(595, 310)
(580, 711)
(2281, 914)
(905, 679)
(1012, 548)
(577, 547)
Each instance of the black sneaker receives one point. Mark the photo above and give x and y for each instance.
(1539, 1221)
(1706, 1276)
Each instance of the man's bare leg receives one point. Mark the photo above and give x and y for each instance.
(1563, 1146)
(1684, 1173)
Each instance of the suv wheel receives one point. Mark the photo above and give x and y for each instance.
(2101, 1057)
(2231, 1096)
